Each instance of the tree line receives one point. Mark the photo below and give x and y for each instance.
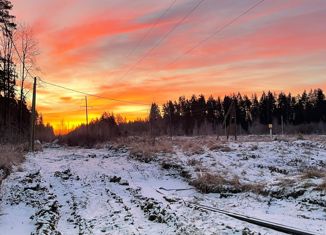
(18, 51)
(198, 115)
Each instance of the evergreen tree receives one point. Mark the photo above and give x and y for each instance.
(320, 105)
(267, 108)
(186, 116)
(7, 67)
(283, 108)
(211, 108)
(169, 116)
(154, 119)
(254, 111)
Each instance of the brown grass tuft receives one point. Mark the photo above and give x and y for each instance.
(193, 162)
(191, 147)
(322, 186)
(197, 145)
(258, 188)
(143, 149)
(286, 183)
(313, 173)
(218, 147)
(214, 183)
(10, 156)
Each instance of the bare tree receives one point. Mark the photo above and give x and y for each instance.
(28, 51)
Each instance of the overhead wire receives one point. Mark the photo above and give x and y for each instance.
(217, 31)
(151, 29)
(161, 39)
(88, 94)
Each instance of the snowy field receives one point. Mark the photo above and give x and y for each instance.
(109, 191)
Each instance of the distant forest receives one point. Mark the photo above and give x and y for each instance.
(18, 50)
(305, 113)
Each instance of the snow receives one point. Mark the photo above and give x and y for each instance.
(105, 191)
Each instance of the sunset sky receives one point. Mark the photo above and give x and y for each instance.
(94, 45)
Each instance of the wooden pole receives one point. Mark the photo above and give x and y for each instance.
(32, 136)
(170, 114)
(235, 124)
(86, 107)
(215, 123)
(282, 120)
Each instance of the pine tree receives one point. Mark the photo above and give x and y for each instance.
(283, 107)
(154, 118)
(320, 105)
(7, 67)
(211, 108)
(169, 116)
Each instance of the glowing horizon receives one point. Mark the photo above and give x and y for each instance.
(88, 45)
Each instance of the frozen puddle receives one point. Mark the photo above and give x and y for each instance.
(99, 191)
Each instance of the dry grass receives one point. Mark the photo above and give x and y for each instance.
(214, 183)
(190, 146)
(313, 173)
(322, 186)
(218, 146)
(209, 183)
(194, 162)
(286, 183)
(10, 156)
(258, 188)
(143, 149)
(198, 145)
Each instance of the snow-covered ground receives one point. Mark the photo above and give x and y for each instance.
(105, 191)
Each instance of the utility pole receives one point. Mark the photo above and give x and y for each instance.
(282, 121)
(235, 125)
(170, 114)
(86, 116)
(86, 112)
(216, 123)
(32, 136)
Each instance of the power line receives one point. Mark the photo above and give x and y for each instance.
(88, 94)
(162, 39)
(97, 109)
(151, 29)
(217, 31)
